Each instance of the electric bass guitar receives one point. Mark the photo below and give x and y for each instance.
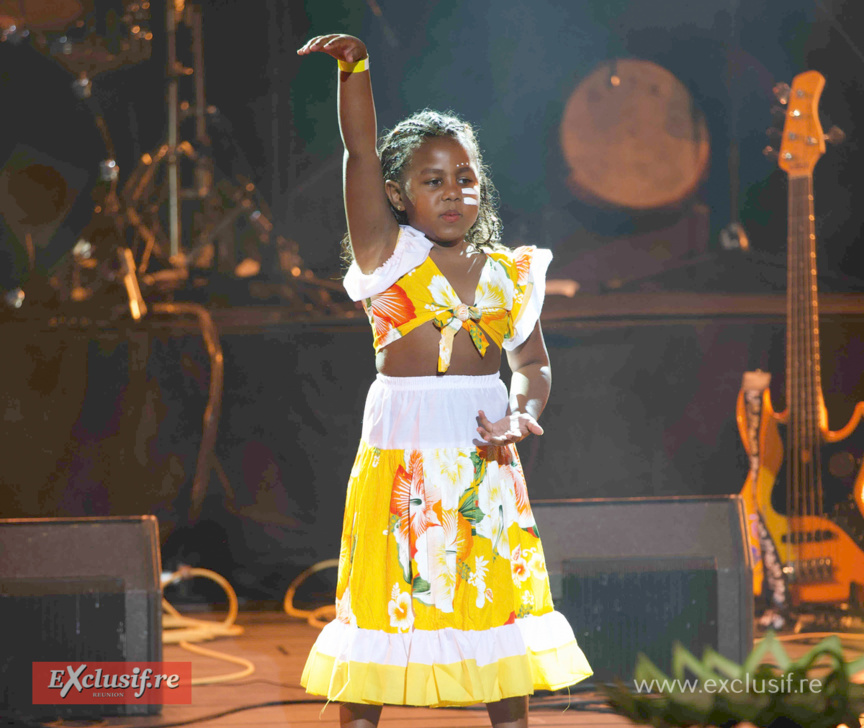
(806, 485)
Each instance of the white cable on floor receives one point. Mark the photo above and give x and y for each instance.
(181, 630)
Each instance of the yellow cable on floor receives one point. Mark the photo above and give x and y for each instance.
(183, 630)
(311, 616)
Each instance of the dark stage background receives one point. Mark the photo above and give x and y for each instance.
(508, 67)
(108, 421)
(638, 409)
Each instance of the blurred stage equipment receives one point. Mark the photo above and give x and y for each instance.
(37, 193)
(637, 148)
(733, 236)
(177, 223)
(77, 589)
(187, 220)
(633, 137)
(86, 37)
(176, 213)
(805, 490)
(663, 569)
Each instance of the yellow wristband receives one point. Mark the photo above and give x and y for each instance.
(356, 67)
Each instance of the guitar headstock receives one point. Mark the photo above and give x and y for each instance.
(803, 140)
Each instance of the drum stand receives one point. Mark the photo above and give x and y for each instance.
(148, 189)
(220, 208)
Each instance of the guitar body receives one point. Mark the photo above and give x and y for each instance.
(822, 555)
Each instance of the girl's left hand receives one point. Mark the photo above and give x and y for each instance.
(509, 429)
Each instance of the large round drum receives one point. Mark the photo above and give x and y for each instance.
(86, 37)
(633, 137)
(41, 15)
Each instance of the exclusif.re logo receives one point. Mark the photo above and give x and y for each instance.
(111, 683)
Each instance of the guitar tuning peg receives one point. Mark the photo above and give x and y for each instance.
(772, 132)
(771, 153)
(835, 136)
(781, 92)
(779, 113)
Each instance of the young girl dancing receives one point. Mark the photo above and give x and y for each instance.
(442, 595)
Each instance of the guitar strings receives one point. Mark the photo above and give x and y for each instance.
(792, 372)
(793, 386)
(804, 458)
(798, 401)
(806, 484)
(825, 548)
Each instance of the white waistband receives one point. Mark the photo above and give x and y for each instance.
(446, 381)
(413, 413)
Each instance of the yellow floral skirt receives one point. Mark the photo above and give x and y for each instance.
(442, 595)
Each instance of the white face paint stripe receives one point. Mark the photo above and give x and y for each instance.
(469, 195)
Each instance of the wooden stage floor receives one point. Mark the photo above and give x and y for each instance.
(277, 645)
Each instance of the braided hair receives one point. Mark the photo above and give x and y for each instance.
(398, 145)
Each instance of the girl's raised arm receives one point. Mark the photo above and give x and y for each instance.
(371, 226)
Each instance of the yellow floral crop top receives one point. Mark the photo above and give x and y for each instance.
(408, 290)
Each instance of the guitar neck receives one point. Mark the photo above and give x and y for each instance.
(803, 370)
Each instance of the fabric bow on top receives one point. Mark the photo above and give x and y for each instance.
(449, 321)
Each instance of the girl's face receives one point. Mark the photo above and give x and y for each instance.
(440, 190)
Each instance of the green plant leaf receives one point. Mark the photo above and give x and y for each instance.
(769, 644)
(719, 664)
(682, 658)
(770, 696)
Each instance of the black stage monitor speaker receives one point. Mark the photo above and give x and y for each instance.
(75, 589)
(636, 574)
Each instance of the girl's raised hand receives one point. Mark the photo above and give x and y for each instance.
(342, 47)
(507, 430)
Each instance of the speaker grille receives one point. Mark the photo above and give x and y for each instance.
(75, 590)
(620, 607)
